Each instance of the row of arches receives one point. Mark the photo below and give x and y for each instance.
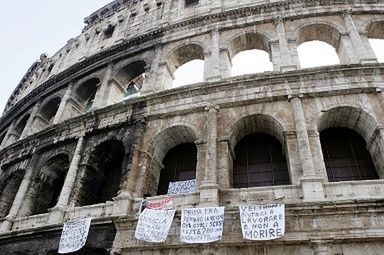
(184, 65)
(261, 158)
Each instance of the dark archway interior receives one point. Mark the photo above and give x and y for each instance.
(50, 109)
(86, 94)
(131, 78)
(103, 173)
(345, 155)
(47, 186)
(259, 162)
(20, 126)
(179, 165)
(8, 191)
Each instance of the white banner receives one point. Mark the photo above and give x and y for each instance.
(165, 204)
(153, 225)
(262, 222)
(202, 225)
(74, 235)
(182, 187)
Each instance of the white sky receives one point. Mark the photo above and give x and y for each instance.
(31, 27)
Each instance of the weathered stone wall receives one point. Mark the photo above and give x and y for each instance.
(73, 102)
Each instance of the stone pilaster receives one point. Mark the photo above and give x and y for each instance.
(212, 63)
(364, 55)
(209, 189)
(102, 95)
(60, 112)
(321, 248)
(311, 184)
(286, 61)
(9, 132)
(21, 194)
(28, 127)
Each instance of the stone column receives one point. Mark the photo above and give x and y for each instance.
(9, 132)
(102, 95)
(212, 62)
(286, 62)
(209, 189)
(21, 194)
(225, 64)
(311, 184)
(63, 104)
(28, 127)
(361, 52)
(58, 211)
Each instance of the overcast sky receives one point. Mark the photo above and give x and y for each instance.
(32, 27)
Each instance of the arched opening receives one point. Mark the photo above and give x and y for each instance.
(251, 61)
(189, 73)
(103, 173)
(18, 130)
(317, 53)
(185, 56)
(320, 45)
(46, 187)
(179, 165)
(2, 137)
(47, 114)
(128, 81)
(376, 39)
(8, 191)
(259, 162)
(85, 95)
(250, 53)
(345, 155)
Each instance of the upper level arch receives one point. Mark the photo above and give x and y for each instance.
(375, 34)
(8, 189)
(328, 37)
(18, 129)
(47, 113)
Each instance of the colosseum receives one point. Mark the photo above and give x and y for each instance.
(91, 130)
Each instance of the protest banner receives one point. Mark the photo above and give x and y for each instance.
(181, 187)
(165, 204)
(153, 225)
(74, 235)
(262, 222)
(202, 225)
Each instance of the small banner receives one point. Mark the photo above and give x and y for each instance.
(202, 225)
(153, 225)
(74, 235)
(165, 204)
(182, 187)
(262, 222)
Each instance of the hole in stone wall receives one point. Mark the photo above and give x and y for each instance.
(108, 33)
(259, 162)
(378, 48)
(8, 191)
(45, 190)
(317, 53)
(345, 155)
(189, 3)
(189, 73)
(179, 165)
(251, 61)
(103, 173)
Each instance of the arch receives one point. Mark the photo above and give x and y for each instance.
(254, 45)
(46, 114)
(129, 80)
(46, 186)
(345, 155)
(183, 55)
(348, 117)
(179, 165)
(328, 34)
(160, 145)
(375, 33)
(103, 173)
(19, 129)
(257, 123)
(259, 162)
(8, 191)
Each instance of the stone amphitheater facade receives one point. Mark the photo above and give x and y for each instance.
(105, 101)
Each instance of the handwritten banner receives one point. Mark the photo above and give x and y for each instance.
(181, 187)
(153, 225)
(74, 235)
(202, 225)
(262, 222)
